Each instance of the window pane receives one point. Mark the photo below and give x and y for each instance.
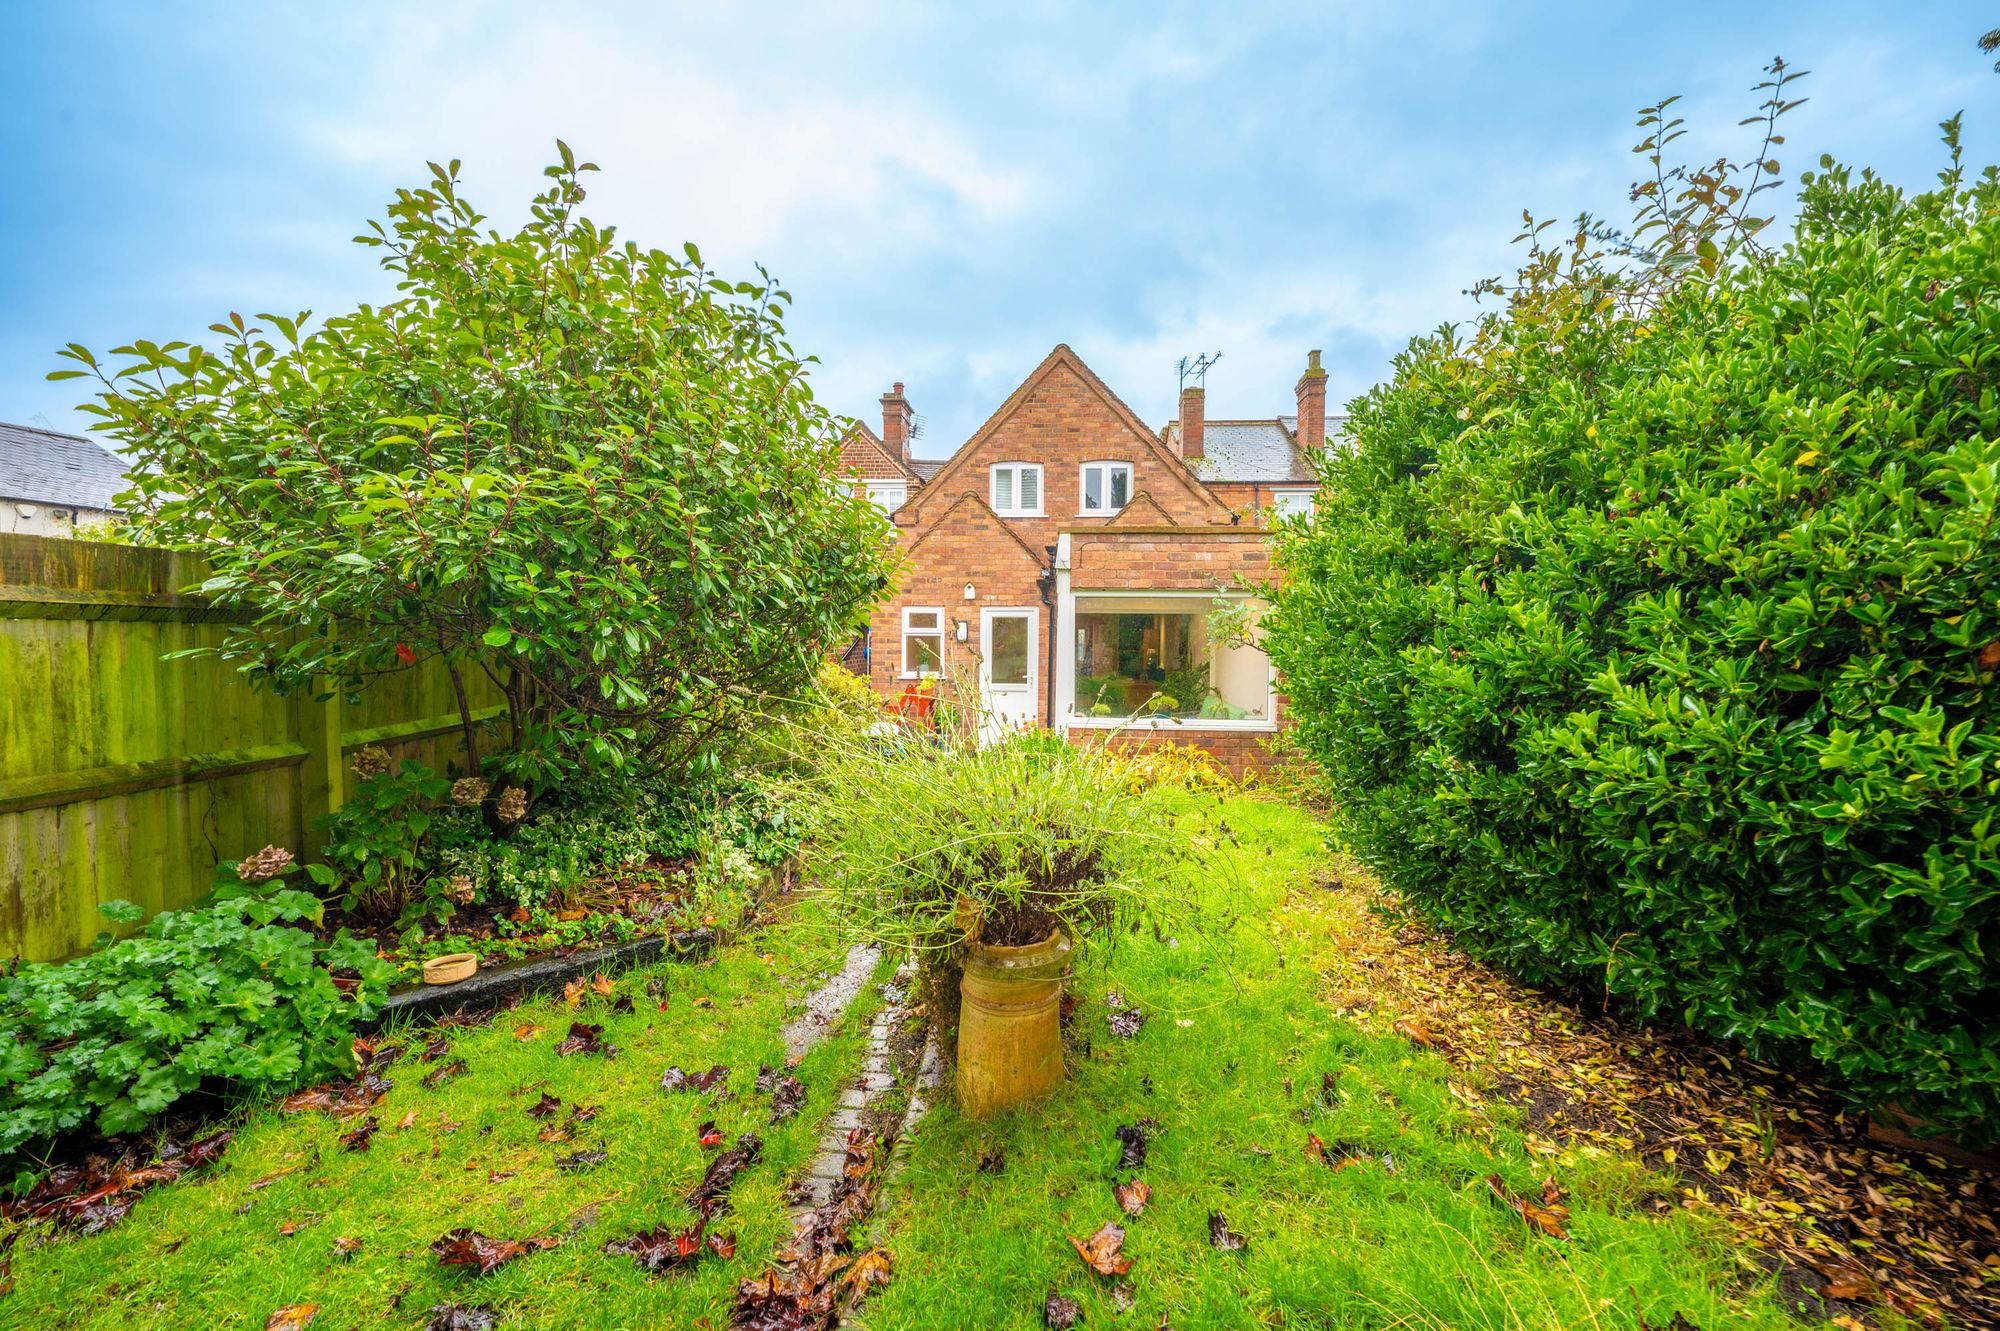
(1093, 488)
(1003, 488)
(1007, 654)
(1031, 489)
(1121, 482)
(920, 654)
(923, 619)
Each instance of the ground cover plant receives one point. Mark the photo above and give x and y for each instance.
(1298, 1168)
(1647, 632)
(587, 475)
(237, 994)
(544, 1132)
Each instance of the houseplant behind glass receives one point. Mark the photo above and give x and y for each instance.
(992, 864)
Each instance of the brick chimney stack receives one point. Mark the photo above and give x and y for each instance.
(1312, 404)
(896, 419)
(1192, 423)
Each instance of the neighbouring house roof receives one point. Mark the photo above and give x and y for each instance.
(63, 470)
(1267, 451)
(863, 451)
(925, 468)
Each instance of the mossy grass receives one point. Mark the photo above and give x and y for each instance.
(209, 1252)
(1229, 1061)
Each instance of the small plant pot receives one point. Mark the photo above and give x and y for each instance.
(1009, 1027)
(450, 969)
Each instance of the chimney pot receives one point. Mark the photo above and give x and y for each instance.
(1312, 404)
(1193, 424)
(896, 420)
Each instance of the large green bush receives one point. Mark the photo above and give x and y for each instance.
(593, 474)
(232, 995)
(1647, 634)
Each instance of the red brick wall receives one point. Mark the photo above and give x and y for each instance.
(966, 544)
(1166, 560)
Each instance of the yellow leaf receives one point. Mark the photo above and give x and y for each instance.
(1807, 458)
(1591, 433)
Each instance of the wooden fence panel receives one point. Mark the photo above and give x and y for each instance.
(127, 775)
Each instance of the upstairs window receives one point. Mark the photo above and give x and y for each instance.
(1017, 489)
(1107, 486)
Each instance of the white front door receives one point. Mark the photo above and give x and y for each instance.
(1007, 671)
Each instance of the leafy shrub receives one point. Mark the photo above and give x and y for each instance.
(592, 473)
(1648, 634)
(375, 837)
(598, 825)
(233, 995)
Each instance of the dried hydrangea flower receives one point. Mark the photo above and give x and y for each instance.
(459, 889)
(372, 760)
(469, 790)
(265, 865)
(513, 806)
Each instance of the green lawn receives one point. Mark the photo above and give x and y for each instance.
(1236, 1040)
(1229, 1064)
(192, 1255)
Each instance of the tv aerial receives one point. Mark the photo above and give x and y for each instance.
(1196, 368)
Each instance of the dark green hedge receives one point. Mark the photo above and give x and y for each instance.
(1651, 644)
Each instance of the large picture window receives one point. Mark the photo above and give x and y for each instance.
(1106, 486)
(1163, 656)
(1017, 489)
(923, 641)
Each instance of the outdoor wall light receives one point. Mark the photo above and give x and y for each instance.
(961, 627)
(968, 591)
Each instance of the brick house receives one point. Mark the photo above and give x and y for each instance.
(1071, 568)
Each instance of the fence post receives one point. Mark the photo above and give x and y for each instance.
(323, 773)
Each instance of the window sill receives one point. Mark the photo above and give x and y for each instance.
(1101, 513)
(1256, 725)
(1017, 513)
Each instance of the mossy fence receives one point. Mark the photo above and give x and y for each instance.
(127, 775)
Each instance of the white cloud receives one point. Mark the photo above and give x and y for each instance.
(694, 143)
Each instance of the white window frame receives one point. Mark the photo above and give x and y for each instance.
(1017, 470)
(903, 643)
(1083, 508)
(1068, 718)
(1301, 496)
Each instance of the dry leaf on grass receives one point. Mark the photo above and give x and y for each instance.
(469, 1248)
(1132, 1196)
(1547, 1219)
(295, 1317)
(1100, 1250)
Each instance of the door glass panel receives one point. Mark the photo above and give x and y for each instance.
(1008, 652)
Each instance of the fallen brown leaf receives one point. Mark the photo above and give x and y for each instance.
(1101, 1250)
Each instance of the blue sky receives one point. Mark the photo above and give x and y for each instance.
(949, 190)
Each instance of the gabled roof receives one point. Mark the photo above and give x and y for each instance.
(1063, 357)
(863, 448)
(975, 509)
(927, 468)
(65, 470)
(1142, 511)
